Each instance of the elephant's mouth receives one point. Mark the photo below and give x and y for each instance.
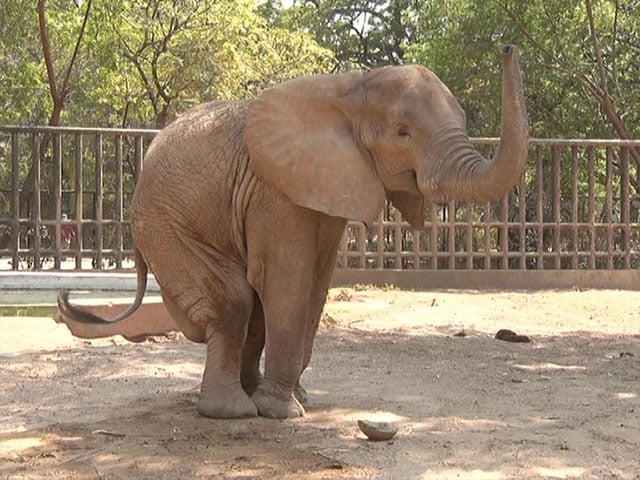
(408, 181)
(404, 181)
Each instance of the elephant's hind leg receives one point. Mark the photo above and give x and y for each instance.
(211, 301)
(224, 331)
(227, 312)
(221, 394)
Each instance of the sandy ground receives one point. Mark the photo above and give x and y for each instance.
(565, 405)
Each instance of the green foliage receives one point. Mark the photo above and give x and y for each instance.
(362, 33)
(142, 62)
(458, 39)
(23, 87)
(192, 51)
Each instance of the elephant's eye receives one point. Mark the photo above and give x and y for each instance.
(403, 131)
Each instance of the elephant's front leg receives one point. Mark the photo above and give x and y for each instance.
(323, 272)
(288, 249)
(253, 347)
(285, 299)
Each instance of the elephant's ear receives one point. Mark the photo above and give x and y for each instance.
(300, 140)
(411, 207)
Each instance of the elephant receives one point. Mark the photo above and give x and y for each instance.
(240, 207)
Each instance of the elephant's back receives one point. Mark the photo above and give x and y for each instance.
(190, 170)
(203, 140)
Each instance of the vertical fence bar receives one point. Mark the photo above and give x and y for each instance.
(451, 234)
(609, 208)
(15, 200)
(469, 235)
(522, 211)
(381, 240)
(138, 157)
(556, 158)
(361, 239)
(540, 206)
(591, 160)
(487, 236)
(119, 203)
(575, 238)
(138, 160)
(57, 194)
(79, 157)
(625, 206)
(97, 202)
(36, 214)
(433, 237)
(417, 245)
(397, 238)
(504, 232)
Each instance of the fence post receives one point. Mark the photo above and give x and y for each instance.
(79, 159)
(119, 207)
(36, 216)
(57, 194)
(97, 203)
(15, 201)
(625, 206)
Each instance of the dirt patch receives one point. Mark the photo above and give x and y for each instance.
(565, 405)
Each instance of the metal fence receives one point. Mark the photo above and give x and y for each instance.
(65, 196)
(576, 207)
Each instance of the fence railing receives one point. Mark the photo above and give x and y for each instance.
(576, 207)
(65, 195)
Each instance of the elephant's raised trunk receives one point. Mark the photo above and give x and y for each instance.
(475, 178)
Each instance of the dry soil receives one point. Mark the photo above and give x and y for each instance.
(565, 405)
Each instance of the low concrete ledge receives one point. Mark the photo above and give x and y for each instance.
(122, 282)
(409, 279)
(491, 279)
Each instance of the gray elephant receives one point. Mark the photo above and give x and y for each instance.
(240, 207)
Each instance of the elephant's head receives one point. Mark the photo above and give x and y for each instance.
(341, 143)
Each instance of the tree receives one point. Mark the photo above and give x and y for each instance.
(576, 55)
(140, 62)
(363, 34)
(59, 90)
(179, 53)
(58, 86)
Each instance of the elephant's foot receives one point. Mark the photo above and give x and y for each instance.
(226, 403)
(273, 402)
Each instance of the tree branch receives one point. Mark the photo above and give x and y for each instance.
(596, 48)
(605, 99)
(46, 50)
(524, 31)
(65, 83)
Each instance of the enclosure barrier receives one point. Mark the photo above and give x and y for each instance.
(65, 195)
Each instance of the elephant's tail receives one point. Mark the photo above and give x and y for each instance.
(71, 312)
